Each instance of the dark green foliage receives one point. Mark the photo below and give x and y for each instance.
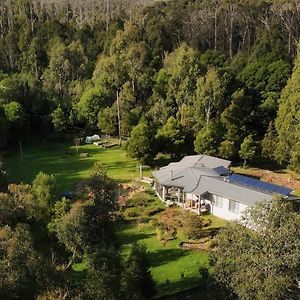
(140, 144)
(227, 149)
(24, 267)
(3, 177)
(62, 67)
(206, 142)
(248, 149)
(16, 121)
(267, 258)
(89, 226)
(269, 142)
(103, 276)
(58, 119)
(170, 138)
(23, 270)
(92, 101)
(237, 118)
(210, 73)
(107, 120)
(288, 120)
(43, 188)
(137, 281)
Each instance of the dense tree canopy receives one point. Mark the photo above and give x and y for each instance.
(217, 77)
(288, 119)
(261, 263)
(94, 65)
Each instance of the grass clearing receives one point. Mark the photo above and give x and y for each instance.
(68, 168)
(174, 269)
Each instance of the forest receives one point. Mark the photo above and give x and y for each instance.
(215, 77)
(178, 77)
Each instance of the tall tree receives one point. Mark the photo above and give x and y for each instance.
(103, 276)
(208, 95)
(43, 188)
(248, 149)
(170, 138)
(137, 279)
(59, 119)
(287, 122)
(107, 120)
(267, 257)
(140, 144)
(182, 68)
(23, 270)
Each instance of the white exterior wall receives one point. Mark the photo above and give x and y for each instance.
(224, 212)
(191, 196)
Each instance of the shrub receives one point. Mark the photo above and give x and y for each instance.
(132, 213)
(192, 226)
(152, 212)
(138, 199)
(167, 224)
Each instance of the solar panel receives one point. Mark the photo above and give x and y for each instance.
(261, 185)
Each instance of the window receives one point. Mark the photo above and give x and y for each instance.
(218, 201)
(234, 206)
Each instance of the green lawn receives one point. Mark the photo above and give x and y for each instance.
(61, 161)
(168, 263)
(173, 269)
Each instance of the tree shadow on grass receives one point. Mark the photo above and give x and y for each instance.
(195, 288)
(132, 238)
(175, 288)
(165, 256)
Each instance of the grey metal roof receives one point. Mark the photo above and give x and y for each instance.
(221, 187)
(202, 161)
(202, 173)
(186, 178)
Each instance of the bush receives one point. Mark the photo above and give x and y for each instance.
(192, 226)
(167, 224)
(132, 213)
(152, 212)
(138, 199)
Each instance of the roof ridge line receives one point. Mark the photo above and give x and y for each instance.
(189, 168)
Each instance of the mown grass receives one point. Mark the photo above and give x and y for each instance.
(60, 159)
(174, 269)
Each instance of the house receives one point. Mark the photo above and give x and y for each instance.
(204, 183)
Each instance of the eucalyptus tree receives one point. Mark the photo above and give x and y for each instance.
(287, 123)
(267, 257)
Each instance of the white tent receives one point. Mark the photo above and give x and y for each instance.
(91, 139)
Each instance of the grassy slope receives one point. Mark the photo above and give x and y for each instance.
(61, 161)
(168, 262)
(173, 269)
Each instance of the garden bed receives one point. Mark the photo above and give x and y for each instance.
(194, 246)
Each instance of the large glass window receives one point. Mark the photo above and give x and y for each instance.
(218, 201)
(234, 206)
